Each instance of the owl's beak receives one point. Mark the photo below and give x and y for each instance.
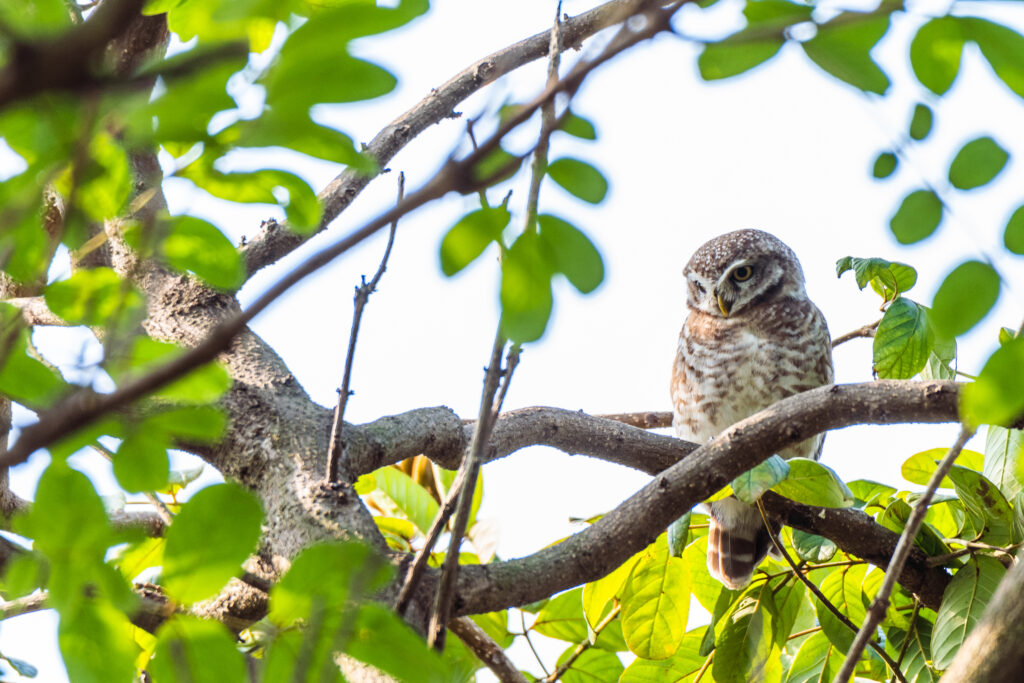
(724, 305)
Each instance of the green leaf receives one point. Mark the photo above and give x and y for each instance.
(591, 665)
(812, 547)
(193, 245)
(843, 589)
(916, 653)
(579, 127)
(885, 165)
(996, 398)
(104, 184)
(867, 492)
(579, 179)
(745, 642)
(95, 297)
(655, 605)
(811, 483)
(301, 206)
(1002, 47)
(977, 163)
(598, 595)
(193, 650)
(1004, 459)
(24, 378)
(205, 384)
(962, 605)
(205, 546)
(563, 618)
(984, 502)
(918, 468)
(964, 298)
(895, 517)
(1013, 237)
(468, 238)
(921, 122)
(790, 600)
(141, 462)
(935, 53)
(382, 640)
(888, 278)
(412, 499)
(194, 424)
(941, 360)
(353, 567)
(572, 253)
(526, 301)
(749, 486)
(816, 660)
(902, 341)
(97, 644)
(678, 533)
(495, 624)
(735, 55)
(918, 216)
(685, 662)
(843, 50)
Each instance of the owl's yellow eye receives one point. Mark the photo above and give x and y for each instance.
(742, 273)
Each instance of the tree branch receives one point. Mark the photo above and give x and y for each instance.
(486, 650)
(34, 311)
(636, 522)
(275, 240)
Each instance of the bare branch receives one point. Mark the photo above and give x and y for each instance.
(881, 602)
(486, 650)
(276, 240)
(865, 331)
(34, 311)
(469, 471)
(363, 293)
(25, 605)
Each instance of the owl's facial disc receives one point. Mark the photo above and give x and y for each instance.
(728, 289)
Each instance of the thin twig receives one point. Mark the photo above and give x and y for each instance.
(30, 603)
(471, 466)
(971, 547)
(821, 597)
(362, 295)
(526, 634)
(865, 331)
(486, 650)
(584, 646)
(899, 556)
(910, 632)
(547, 124)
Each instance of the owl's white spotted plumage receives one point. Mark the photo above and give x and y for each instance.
(751, 338)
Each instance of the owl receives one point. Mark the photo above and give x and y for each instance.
(751, 338)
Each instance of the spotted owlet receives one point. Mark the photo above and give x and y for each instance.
(751, 338)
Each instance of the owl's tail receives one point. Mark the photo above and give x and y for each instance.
(737, 542)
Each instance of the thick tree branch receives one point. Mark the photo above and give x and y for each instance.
(276, 240)
(34, 311)
(486, 650)
(635, 523)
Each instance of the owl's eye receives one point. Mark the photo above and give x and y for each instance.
(742, 274)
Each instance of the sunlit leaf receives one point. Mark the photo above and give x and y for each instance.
(468, 238)
(526, 300)
(1004, 459)
(902, 341)
(655, 604)
(921, 122)
(411, 498)
(811, 483)
(745, 644)
(977, 163)
(193, 245)
(193, 650)
(884, 166)
(205, 546)
(95, 296)
(935, 53)
(812, 547)
(843, 50)
(996, 398)
(141, 462)
(579, 178)
(816, 660)
(963, 602)
(572, 253)
(843, 589)
(964, 298)
(749, 486)
(918, 216)
(96, 644)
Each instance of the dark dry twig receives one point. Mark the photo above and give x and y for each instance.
(825, 601)
(881, 602)
(584, 646)
(486, 650)
(470, 469)
(363, 292)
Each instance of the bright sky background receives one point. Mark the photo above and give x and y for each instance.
(786, 149)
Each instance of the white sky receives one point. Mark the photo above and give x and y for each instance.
(785, 149)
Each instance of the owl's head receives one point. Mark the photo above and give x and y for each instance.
(738, 270)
